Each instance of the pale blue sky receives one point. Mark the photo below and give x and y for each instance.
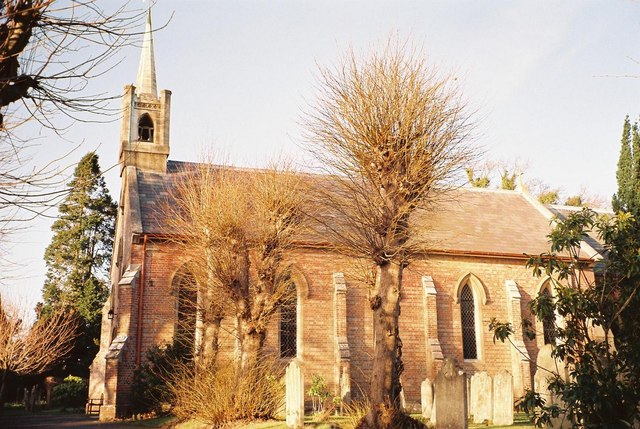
(542, 76)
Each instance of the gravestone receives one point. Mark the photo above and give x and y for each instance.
(294, 395)
(33, 400)
(470, 395)
(433, 409)
(545, 363)
(25, 399)
(426, 398)
(345, 387)
(451, 391)
(49, 383)
(481, 399)
(503, 398)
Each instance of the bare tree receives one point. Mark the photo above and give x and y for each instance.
(32, 350)
(187, 213)
(395, 133)
(236, 227)
(50, 51)
(585, 198)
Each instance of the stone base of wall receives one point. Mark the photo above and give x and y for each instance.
(107, 412)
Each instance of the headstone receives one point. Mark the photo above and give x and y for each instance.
(426, 398)
(433, 409)
(451, 391)
(481, 400)
(35, 393)
(503, 399)
(49, 383)
(469, 405)
(546, 365)
(294, 395)
(25, 399)
(345, 386)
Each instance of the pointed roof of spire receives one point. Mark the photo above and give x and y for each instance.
(146, 81)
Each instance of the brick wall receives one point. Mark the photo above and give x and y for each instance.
(318, 331)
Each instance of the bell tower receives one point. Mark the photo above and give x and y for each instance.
(144, 136)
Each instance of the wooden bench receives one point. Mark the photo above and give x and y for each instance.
(93, 406)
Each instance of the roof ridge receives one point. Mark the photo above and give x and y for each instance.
(490, 190)
(578, 208)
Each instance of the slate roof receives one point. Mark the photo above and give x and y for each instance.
(154, 190)
(468, 221)
(488, 221)
(593, 240)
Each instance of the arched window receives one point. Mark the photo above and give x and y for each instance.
(119, 263)
(288, 325)
(468, 318)
(187, 293)
(145, 128)
(548, 323)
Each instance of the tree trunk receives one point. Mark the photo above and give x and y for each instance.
(251, 343)
(211, 317)
(3, 376)
(209, 341)
(387, 354)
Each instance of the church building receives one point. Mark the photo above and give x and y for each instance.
(475, 272)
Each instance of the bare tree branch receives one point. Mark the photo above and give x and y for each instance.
(235, 228)
(32, 350)
(394, 134)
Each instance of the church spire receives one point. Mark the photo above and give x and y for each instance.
(146, 81)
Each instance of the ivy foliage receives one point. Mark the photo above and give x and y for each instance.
(481, 181)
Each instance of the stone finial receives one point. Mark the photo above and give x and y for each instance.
(146, 80)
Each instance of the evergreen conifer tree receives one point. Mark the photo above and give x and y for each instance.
(622, 199)
(634, 177)
(79, 256)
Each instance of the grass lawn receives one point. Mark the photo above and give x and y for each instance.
(157, 422)
(520, 422)
(344, 422)
(15, 409)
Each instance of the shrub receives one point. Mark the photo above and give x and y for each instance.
(218, 396)
(322, 400)
(151, 391)
(71, 393)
